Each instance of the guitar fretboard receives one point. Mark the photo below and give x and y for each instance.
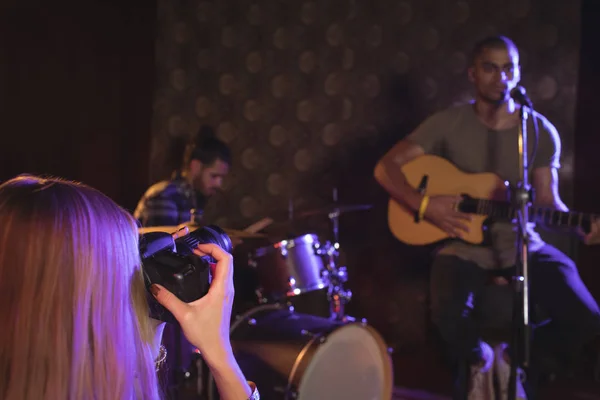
(501, 210)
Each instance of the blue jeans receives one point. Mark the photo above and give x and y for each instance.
(555, 286)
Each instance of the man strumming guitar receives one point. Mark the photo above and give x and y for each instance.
(482, 137)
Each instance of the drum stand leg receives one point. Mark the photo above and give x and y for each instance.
(335, 306)
(337, 296)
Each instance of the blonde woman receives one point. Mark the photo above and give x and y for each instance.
(73, 306)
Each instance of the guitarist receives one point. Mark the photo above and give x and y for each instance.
(482, 137)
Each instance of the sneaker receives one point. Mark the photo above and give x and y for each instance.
(482, 378)
(502, 370)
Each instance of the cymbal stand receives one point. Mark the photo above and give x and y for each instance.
(334, 217)
(337, 295)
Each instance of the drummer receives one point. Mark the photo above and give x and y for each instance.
(182, 199)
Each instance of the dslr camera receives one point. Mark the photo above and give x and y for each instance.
(172, 263)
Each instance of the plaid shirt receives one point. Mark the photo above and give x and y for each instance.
(169, 203)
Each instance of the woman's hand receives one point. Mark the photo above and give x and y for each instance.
(205, 322)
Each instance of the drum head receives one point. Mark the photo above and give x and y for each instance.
(352, 363)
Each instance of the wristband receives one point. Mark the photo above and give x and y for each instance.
(423, 207)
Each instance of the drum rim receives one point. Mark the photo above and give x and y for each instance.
(289, 243)
(298, 291)
(239, 319)
(299, 358)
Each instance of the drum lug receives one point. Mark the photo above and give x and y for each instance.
(345, 295)
(318, 250)
(313, 335)
(288, 393)
(260, 296)
(348, 319)
(292, 285)
(305, 332)
(252, 321)
(290, 307)
(342, 274)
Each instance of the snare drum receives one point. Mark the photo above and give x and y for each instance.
(290, 267)
(297, 356)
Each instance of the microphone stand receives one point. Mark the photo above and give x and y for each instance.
(521, 342)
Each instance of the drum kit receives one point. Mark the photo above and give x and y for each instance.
(291, 352)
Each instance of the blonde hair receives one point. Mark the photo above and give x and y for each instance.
(72, 297)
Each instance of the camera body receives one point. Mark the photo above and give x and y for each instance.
(172, 264)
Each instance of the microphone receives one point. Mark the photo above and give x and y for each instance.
(519, 94)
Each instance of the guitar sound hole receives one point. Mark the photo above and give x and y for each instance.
(468, 205)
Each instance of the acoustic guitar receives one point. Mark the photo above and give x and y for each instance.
(484, 195)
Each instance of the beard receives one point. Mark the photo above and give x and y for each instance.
(496, 100)
(199, 187)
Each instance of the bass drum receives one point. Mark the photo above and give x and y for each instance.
(304, 357)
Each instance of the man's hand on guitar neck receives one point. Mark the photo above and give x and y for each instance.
(443, 212)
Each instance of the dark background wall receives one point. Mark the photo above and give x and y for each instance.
(77, 81)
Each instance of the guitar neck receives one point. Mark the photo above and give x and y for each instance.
(551, 218)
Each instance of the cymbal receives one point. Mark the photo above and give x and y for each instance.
(335, 208)
(233, 233)
(283, 228)
(168, 229)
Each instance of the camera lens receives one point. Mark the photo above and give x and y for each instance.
(207, 234)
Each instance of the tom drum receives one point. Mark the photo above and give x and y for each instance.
(289, 267)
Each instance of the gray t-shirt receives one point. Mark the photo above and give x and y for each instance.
(458, 135)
